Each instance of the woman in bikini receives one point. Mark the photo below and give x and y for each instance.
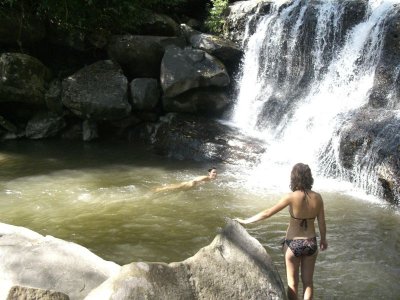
(300, 246)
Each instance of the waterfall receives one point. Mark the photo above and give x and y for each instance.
(304, 72)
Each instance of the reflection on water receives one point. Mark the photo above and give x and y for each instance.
(100, 196)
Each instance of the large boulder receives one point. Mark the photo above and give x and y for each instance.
(185, 69)
(30, 259)
(97, 92)
(23, 78)
(234, 266)
(140, 56)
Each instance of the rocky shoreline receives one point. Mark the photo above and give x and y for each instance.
(234, 266)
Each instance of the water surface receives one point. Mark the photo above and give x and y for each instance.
(101, 196)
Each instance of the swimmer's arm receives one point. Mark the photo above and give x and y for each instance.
(285, 201)
(199, 179)
(322, 228)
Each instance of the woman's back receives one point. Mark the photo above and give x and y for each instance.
(304, 208)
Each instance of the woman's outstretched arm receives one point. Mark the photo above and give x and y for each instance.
(285, 201)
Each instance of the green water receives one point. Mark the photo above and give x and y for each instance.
(100, 196)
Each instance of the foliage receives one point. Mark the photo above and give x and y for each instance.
(114, 15)
(215, 21)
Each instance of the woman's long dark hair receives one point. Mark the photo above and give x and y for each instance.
(301, 178)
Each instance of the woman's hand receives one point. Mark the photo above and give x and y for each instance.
(323, 245)
(241, 221)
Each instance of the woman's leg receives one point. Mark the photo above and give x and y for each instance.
(292, 273)
(307, 273)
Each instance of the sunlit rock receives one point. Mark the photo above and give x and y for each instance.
(185, 69)
(30, 259)
(223, 49)
(233, 266)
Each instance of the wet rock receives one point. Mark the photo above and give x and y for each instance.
(198, 138)
(385, 92)
(243, 16)
(369, 147)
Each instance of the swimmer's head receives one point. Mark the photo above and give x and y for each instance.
(212, 173)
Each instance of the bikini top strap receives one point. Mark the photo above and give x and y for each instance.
(303, 222)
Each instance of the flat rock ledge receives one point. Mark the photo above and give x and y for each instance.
(234, 266)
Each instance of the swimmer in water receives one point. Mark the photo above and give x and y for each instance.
(212, 174)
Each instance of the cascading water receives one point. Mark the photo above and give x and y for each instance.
(305, 70)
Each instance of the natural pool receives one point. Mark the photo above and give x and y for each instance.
(100, 196)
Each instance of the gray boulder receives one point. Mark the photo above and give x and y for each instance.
(97, 92)
(23, 78)
(140, 56)
(233, 266)
(185, 69)
(30, 259)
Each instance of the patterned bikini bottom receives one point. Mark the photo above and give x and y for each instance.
(301, 247)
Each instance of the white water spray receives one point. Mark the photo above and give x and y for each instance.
(298, 118)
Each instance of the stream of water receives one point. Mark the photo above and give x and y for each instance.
(100, 196)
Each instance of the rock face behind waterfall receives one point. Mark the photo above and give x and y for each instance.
(200, 139)
(234, 266)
